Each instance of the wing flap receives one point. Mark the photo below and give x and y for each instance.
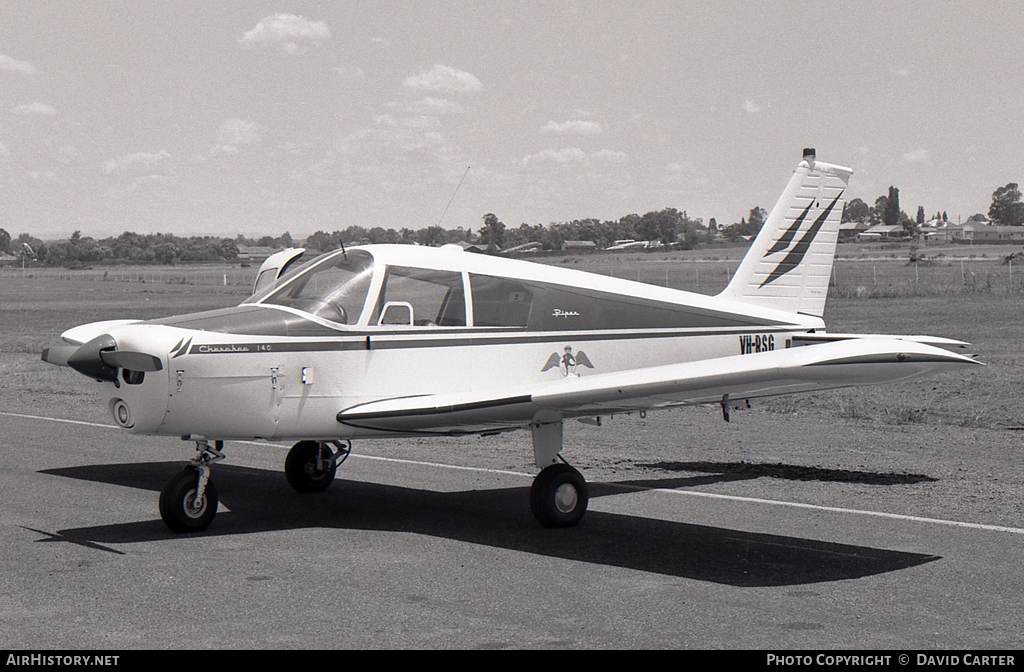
(828, 337)
(815, 367)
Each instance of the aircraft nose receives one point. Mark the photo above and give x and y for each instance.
(100, 359)
(137, 402)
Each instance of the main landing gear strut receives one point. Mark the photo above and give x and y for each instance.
(559, 494)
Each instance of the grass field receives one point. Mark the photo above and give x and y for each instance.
(873, 293)
(872, 271)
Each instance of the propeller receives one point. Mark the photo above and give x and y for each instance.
(100, 359)
(135, 361)
(59, 354)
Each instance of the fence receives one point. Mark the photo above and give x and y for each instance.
(140, 274)
(850, 278)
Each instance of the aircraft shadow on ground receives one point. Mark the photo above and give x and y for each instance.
(720, 472)
(262, 501)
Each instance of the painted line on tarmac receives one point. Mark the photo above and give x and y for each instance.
(457, 467)
(62, 420)
(689, 493)
(837, 509)
(268, 444)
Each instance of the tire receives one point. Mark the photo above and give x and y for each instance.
(300, 468)
(559, 496)
(177, 503)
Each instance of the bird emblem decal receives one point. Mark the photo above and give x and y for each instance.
(567, 362)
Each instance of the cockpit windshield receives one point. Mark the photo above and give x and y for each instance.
(334, 289)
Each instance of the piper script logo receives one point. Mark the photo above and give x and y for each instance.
(567, 362)
(796, 253)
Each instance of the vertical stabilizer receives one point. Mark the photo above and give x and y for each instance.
(789, 263)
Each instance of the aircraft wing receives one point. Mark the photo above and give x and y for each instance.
(842, 363)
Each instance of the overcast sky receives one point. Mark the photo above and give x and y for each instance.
(260, 117)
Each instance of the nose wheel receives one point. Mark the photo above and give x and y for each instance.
(182, 506)
(188, 503)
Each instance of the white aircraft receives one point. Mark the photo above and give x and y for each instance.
(400, 340)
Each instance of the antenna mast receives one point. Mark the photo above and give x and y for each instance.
(453, 195)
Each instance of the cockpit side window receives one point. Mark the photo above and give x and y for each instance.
(500, 302)
(539, 306)
(420, 297)
(334, 290)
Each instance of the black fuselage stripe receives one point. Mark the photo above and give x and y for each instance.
(384, 343)
(345, 416)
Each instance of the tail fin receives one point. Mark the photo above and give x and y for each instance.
(789, 263)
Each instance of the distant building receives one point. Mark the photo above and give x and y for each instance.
(473, 247)
(986, 234)
(851, 230)
(579, 246)
(252, 254)
(883, 232)
(937, 234)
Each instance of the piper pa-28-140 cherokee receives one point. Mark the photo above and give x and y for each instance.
(400, 340)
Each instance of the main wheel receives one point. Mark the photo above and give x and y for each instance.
(180, 509)
(559, 496)
(301, 470)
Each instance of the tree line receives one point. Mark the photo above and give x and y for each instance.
(129, 247)
(1007, 209)
(669, 226)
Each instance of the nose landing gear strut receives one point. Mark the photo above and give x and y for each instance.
(188, 503)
